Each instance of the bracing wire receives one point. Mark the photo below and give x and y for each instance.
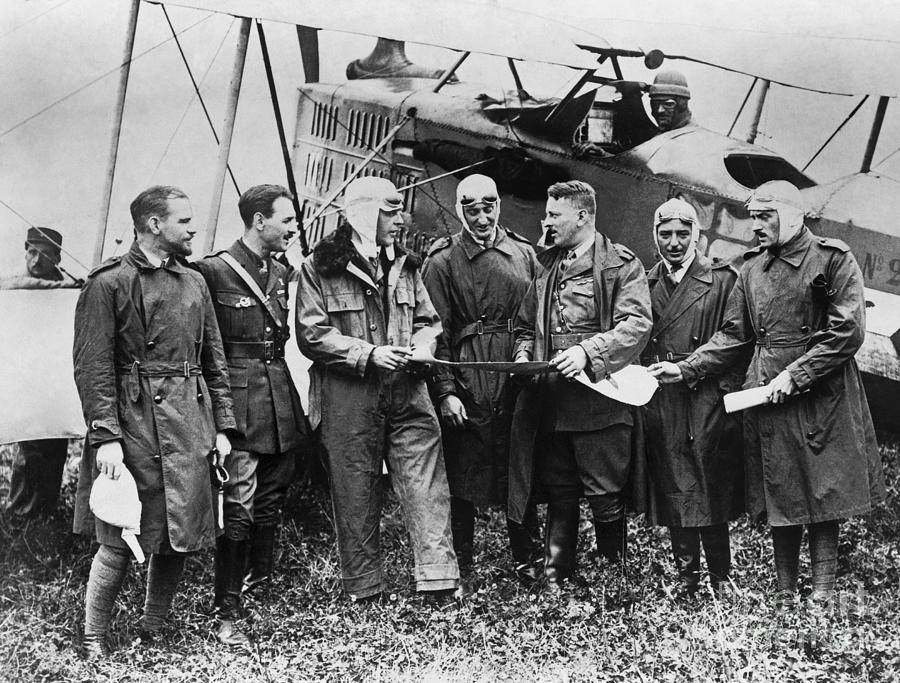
(97, 79)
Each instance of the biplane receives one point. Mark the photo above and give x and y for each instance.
(425, 129)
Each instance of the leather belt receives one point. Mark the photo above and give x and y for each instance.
(670, 356)
(787, 341)
(261, 350)
(561, 342)
(480, 327)
(161, 369)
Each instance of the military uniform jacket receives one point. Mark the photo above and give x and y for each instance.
(614, 287)
(341, 316)
(267, 407)
(151, 372)
(813, 458)
(477, 292)
(694, 450)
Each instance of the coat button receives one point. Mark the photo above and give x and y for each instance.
(559, 329)
(804, 329)
(268, 329)
(268, 362)
(157, 399)
(762, 382)
(199, 396)
(762, 331)
(373, 327)
(562, 285)
(368, 292)
(151, 344)
(810, 435)
(655, 340)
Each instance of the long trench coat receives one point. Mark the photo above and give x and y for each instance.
(814, 457)
(694, 449)
(469, 285)
(622, 326)
(151, 372)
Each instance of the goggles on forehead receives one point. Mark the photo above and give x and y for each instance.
(470, 200)
(392, 203)
(674, 214)
(663, 102)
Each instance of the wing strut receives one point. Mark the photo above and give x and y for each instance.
(376, 150)
(836, 131)
(741, 108)
(585, 77)
(873, 135)
(757, 113)
(116, 131)
(282, 138)
(234, 92)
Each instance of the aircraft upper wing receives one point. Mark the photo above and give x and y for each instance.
(858, 57)
(459, 25)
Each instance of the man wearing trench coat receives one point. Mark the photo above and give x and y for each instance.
(153, 382)
(693, 447)
(797, 314)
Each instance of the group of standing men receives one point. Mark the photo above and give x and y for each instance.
(178, 365)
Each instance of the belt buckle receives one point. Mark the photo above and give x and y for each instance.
(479, 327)
(509, 325)
(269, 350)
(187, 370)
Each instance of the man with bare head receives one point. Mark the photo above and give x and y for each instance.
(154, 390)
(587, 311)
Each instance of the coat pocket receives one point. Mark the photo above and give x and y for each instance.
(819, 413)
(347, 311)
(236, 312)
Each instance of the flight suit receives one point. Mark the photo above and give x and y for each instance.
(367, 415)
(476, 292)
(576, 440)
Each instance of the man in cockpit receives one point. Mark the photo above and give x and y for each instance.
(669, 97)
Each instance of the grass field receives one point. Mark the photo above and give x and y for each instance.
(305, 630)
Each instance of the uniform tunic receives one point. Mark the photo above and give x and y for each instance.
(608, 305)
(266, 405)
(814, 457)
(151, 372)
(694, 450)
(367, 415)
(467, 285)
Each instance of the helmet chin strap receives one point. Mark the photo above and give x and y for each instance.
(790, 222)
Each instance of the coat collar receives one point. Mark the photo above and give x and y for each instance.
(250, 260)
(695, 283)
(605, 255)
(471, 248)
(793, 252)
(335, 254)
(174, 264)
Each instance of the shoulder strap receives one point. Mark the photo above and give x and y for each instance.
(242, 273)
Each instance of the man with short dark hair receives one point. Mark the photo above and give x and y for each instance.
(250, 295)
(38, 465)
(589, 310)
(153, 383)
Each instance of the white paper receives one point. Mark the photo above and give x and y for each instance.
(748, 398)
(632, 385)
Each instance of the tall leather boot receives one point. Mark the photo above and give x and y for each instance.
(686, 553)
(462, 524)
(261, 556)
(231, 558)
(524, 542)
(612, 543)
(717, 548)
(560, 540)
